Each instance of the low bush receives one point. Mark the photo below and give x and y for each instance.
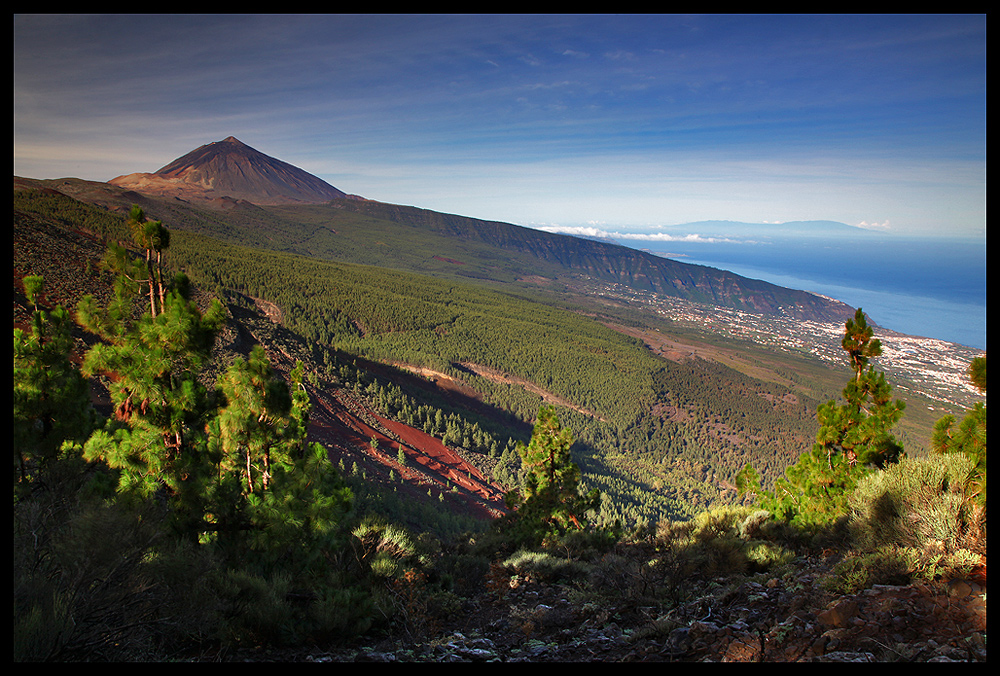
(543, 566)
(914, 520)
(915, 502)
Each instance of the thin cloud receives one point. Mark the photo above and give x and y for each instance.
(884, 225)
(590, 231)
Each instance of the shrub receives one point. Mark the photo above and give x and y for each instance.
(97, 583)
(891, 565)
(544, 566)
(727, 540)
(257, 608)
(913, 503)
(754, 523)
(387, 550)
(464, 572)
(340, 613)
(913, 520)
(762, 555)
(585, 544)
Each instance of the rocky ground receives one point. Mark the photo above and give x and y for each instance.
(791, 618)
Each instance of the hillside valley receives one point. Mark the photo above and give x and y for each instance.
(430, 343)
(511, 287)
(40, 248)
(653, 474)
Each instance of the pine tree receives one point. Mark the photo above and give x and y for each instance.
(550, 502)
(252, 421)
(153, 238)
(52, 410)
(861, 427)
(233, 464)
(968, 436)
(155, 439)
(977, 373)
(854, 436)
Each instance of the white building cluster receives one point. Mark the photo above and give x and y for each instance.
(930, 367)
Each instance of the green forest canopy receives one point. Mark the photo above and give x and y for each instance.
(663, 436)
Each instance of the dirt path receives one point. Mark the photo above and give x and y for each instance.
(449, 382)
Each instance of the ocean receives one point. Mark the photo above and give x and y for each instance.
(928, 288)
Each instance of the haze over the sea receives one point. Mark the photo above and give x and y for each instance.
(922, 286)
(918, 312)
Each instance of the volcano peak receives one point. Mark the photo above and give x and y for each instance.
(231, 169)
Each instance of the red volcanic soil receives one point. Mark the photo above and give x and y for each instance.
(346, 428)
(448, 260)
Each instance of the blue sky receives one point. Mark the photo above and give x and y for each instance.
(616, 122)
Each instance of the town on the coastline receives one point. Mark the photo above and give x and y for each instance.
(933, 368)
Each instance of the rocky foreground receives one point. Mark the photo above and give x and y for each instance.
(747, 619)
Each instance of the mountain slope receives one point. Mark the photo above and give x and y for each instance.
(354, 230)
(230, 168)
(636, 604)
(230, 174)
(573, 259)
(662, 428)
(65, 249)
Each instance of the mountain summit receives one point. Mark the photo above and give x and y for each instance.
(231, 169)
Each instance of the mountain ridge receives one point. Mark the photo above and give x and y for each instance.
(229, 173)
(611, 262)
